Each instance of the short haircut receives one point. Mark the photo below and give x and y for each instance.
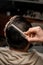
(14, 39)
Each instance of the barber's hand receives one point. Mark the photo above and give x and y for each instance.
(34, 34)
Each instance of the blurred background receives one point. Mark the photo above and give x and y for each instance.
(31, 9)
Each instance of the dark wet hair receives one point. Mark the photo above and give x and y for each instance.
(14, 38)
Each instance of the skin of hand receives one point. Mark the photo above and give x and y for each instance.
(34, 34)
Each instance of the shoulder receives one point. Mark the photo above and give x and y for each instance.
(38, 53)
(4, 49)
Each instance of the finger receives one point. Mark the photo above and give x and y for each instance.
(34, 39)
(25, 33)
(32, 30)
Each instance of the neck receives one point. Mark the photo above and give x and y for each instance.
(18, 50)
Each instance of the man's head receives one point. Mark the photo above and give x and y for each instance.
(14, 38)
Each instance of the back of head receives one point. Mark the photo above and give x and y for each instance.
(14, 38)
